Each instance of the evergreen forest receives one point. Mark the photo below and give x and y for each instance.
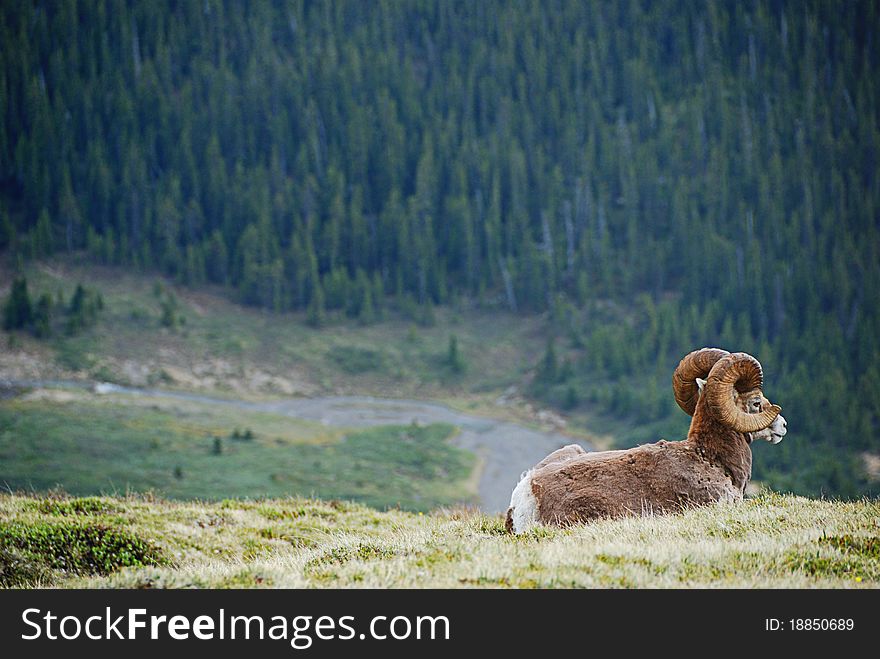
(653, 176)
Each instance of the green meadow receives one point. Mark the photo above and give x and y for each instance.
(87, 444)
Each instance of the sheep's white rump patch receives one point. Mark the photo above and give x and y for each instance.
(524, 504)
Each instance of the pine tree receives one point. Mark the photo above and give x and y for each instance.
(378, 295)
(548, 370)
(7, 231)
(453, 357)
(82, 312)
(216, 259)
(18, 312)
(316, 316)
(169, 317)
(68, 206)
(367, 314)
(571, 397)
(43, 317)
(43, 244)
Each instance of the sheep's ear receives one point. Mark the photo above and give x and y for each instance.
(700, 384)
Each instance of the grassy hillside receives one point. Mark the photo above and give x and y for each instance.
(221, 347)
(225, 349)
(769, 541)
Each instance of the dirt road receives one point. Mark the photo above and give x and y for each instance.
(505, 448)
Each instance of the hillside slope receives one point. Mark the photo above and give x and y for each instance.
(659, 176)
(770, 541)
(221, 348)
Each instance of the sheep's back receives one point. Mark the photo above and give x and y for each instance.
(654, 478)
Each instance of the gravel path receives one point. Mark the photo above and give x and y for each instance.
(506, 448)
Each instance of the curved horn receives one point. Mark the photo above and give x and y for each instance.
(695, 365)
(743, 372)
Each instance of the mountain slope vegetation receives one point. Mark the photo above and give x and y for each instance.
(654, 176)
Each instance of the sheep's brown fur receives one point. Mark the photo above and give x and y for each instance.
(713, 464)
(654, 478)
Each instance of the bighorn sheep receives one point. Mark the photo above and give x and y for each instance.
(723, 394)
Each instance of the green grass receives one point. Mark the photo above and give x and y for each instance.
(69, 547)
(770, 541)
(89, 445)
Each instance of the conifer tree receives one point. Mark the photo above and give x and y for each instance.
(43, 317)
(18, 312)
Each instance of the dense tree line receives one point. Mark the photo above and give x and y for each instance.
(710, 169)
